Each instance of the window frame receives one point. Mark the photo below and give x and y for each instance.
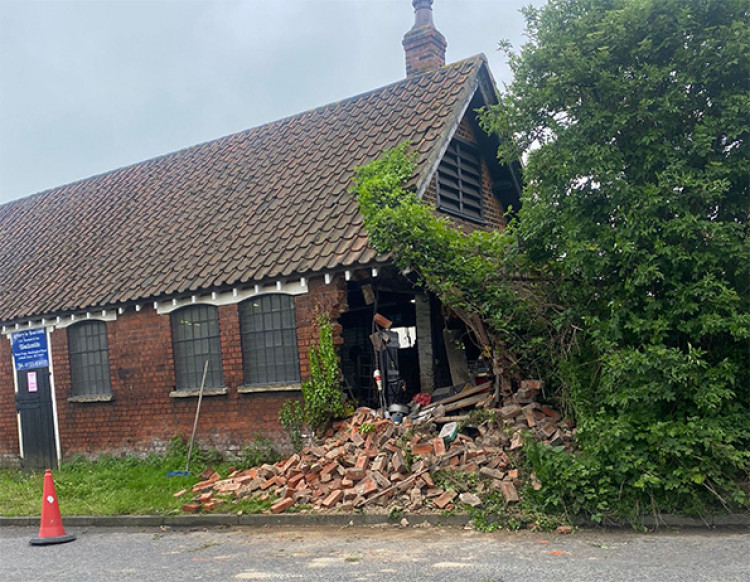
(278, 339)
(78, 337)
(189, 361)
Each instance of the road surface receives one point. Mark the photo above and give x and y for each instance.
(378, 554)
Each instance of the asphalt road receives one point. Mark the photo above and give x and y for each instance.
(410, 554)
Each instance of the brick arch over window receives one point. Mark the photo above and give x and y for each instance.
(269, 340)
(89, 359)
(195, 339)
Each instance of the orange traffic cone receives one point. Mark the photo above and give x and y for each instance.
(51, 530)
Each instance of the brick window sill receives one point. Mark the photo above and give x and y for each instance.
(296, 387)
(195, 392)
(92, 398)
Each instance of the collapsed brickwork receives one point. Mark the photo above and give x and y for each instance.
(373, 463)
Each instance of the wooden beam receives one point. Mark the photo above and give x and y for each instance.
(463, 394)
(470, 401)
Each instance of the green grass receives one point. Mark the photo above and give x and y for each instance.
(109, 486)
(129, 485)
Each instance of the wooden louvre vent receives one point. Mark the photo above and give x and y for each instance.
(459, 181)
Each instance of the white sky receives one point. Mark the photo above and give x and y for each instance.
(87, 86)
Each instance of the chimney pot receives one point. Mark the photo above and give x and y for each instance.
(422, 12)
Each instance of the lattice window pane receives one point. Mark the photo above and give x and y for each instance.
(89, 359)
(195, 338)
(269, 340)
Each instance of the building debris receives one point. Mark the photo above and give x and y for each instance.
(368, 462)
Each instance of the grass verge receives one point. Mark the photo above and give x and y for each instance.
(109, 486)
(122, 485)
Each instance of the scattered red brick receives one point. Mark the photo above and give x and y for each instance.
(282, 505)
(443, 501)
(346, 471)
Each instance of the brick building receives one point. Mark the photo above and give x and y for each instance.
(116, 290)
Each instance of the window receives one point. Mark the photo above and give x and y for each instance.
(89, 359)
(459, 181)
(195, 339)
(269, 340)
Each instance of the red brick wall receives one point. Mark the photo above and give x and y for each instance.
(8, 424)
(142, 417)
(424, 50)
(321, 300)
(493, 210)
(465, 131)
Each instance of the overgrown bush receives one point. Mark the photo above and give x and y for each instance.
(633, 237)
(636, 203)
(474, 273)
(324, 401)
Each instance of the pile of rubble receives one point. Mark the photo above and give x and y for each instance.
(370, 462)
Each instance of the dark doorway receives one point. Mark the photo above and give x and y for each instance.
(34, 403)
(359, 359)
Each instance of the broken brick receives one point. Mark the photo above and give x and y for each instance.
(427, 478)
(422, 449)
(510, 412)
(335, 472)
(398, 463)
(333, 498)
(442, 501)
(282, 505)
(509, 492)
(366, 486)
(191, 507)
(491, 473)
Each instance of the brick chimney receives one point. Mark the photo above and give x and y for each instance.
(423, 44)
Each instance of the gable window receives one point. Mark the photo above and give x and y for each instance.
(459, 181)
(89, 359)
(195, 339)
(269, 340)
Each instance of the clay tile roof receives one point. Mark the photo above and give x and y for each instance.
(269, 202)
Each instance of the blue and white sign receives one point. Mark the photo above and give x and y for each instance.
(30, 349)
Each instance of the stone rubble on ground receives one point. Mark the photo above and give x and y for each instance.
(369, 462)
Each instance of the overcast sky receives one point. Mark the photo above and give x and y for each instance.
(87, 86)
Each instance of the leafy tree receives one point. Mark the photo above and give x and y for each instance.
(633, 240)
(634, 114)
